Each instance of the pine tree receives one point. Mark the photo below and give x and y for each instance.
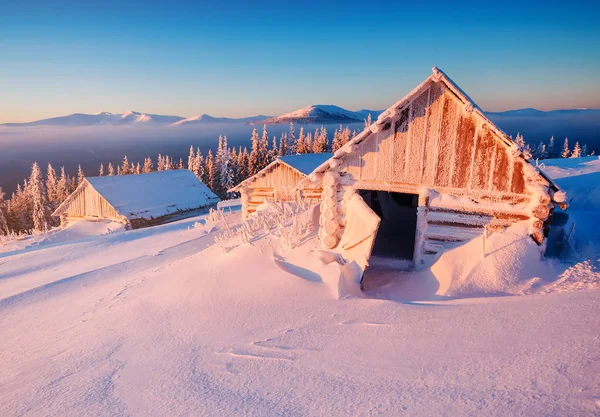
(346, 136)
(3, 214)
(119, 170)
(321, 144)
(225, 171)
(125, 169)
(111, 169)
(274, 151)
(283, 145)
(308, 143)
(192, 160)
(337, 139)
(368, 121)
(101, 172)
(264, 149)
(254, 158)
(584, 150)
(80, 175)
(180, 166)
(199, 167)
(291, 139)
(244, 159)
(147, 165)
(160, 163)
(38, 194)
(138, 168)
(52, 192)
(551, 151)
(565, 152)
(62, 188)
(520, 142)
(301, 147)
(210, 171)
(576, 151)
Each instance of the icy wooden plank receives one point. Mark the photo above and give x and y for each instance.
(432, 139)
(450, 118)
(416, 132)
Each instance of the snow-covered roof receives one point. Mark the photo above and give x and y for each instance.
(151, 195)
(391, 113)
(304, 164)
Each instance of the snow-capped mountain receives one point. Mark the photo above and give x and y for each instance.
(207, 119)
(324, 113)
(102, 119)
(529, 112)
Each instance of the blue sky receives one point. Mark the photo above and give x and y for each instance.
(231, 58)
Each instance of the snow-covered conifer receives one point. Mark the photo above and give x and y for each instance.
(254, 158)
(80, 175)
(301, 147)
(160, 163)
(551, 151)
(368, 121)
(565, 152)
(138, 168)
(111, 169)
(125, 168)
(291, 139)
(147, 165)
(308, 143)
(199, 167)
(192, 160)
(576, 151)
(520, 142)
(39, 213)
(211, 181)
(584, 150)
(3, 213)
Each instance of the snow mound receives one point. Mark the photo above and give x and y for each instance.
(513, 263)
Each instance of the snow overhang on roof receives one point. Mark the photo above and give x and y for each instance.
(393, 112)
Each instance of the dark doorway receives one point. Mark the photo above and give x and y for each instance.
(398, 213)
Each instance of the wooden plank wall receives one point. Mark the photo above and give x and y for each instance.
(89, 203)
(435, 142)
(278, 184)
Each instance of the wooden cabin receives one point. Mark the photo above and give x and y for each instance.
(138, 200)
(279, 181)
(430, 173)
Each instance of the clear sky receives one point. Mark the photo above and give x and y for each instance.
(234, 58)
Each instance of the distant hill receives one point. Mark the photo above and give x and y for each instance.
(206, 119)
(102, 119)
(323, 113)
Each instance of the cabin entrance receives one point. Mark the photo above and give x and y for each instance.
(397, 231)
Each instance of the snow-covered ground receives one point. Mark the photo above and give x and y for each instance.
(157, 321)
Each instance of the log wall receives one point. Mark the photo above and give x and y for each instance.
(88, 203)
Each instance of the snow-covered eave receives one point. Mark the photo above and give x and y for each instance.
(437, 76)
(263, 172)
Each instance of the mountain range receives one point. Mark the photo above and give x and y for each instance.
(315, 114)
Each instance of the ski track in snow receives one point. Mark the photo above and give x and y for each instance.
(158, 322)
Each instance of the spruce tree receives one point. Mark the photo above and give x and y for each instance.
(199, 168)
(3, 214)
(210, 171)
(138, 168)
(576, 151)
(264, 149)
(160, 163)
(111, 169)
(565, 152)
(192, 160)
(125, 169)
(80, 175)
(180, 166)
(101, 172)
(584, 150)
(39, 213)
(551, 151)
(291, 139)
(147, 165)
(283, 145)
(254, 158)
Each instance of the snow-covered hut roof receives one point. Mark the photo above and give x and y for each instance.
(387, 116)
(304, 164)
(150, 195)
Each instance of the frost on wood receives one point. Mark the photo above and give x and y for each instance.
(437, 139)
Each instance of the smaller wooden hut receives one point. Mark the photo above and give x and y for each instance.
(138, 200)
(279, 181)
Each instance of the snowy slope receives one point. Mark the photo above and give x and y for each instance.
(158, 321)
(324, 113)
(102, 118)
